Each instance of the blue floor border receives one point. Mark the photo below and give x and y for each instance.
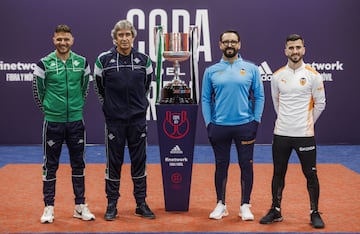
(347, 155)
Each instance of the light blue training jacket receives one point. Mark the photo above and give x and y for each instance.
(232, 94)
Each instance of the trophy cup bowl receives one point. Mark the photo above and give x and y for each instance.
(176, 50)
(174, 56)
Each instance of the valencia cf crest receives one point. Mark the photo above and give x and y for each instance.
(176, 125)
(242, 72)
(302, 81)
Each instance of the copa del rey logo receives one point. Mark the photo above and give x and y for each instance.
(176, 125)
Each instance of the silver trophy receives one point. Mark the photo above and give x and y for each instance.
(175, 49)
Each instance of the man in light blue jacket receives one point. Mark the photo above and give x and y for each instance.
(232, 106)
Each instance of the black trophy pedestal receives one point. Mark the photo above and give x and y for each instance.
(176, 124)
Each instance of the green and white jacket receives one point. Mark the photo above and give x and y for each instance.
(60, 87)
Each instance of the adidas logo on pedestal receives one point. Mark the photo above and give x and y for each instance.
(176, 150)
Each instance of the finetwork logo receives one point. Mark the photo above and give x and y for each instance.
(18, 71)
(325, 69)
(19, 66)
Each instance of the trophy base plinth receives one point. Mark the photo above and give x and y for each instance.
(176, 100)
(176, 92)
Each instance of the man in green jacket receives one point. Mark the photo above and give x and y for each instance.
(60, 87)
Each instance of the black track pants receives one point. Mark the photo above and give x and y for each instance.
(306, 150)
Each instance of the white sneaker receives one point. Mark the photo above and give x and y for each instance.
(48, 215)
(82, 212)
(219, 211)
(245, 212)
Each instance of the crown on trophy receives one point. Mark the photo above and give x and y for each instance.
(175, 48)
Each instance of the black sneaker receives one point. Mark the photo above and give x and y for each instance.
(272, 216)
(143, 210)
(111, 213)
(316, 220)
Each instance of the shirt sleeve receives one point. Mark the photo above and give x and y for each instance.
(99, 82)
(318, 93)
(38, 84)
(206, 97)
(149, 75)
(275, 94)
(86, 80)
(258, 91)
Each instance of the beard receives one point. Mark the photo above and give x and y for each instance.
(295, 58)
(230, 52)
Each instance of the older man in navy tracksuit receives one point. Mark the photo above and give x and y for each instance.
(123, 76)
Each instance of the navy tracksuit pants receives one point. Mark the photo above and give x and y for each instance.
(117, 135)
(221, 138)
(54, 135)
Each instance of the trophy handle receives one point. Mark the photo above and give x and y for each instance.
(194, 70)
(159, 46)
(158, 35)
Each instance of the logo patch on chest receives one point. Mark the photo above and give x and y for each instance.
(302, 81)
(76, 63)
(137, 60)
(242, 72)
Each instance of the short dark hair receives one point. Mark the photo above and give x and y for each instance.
(63, 28)
(230, 31)
(294, 37)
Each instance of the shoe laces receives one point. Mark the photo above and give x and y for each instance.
(274, 212)
(315, 212)
(84, 209)
(245, 207)
(48, 211)
(220, 208)
(144, 205)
